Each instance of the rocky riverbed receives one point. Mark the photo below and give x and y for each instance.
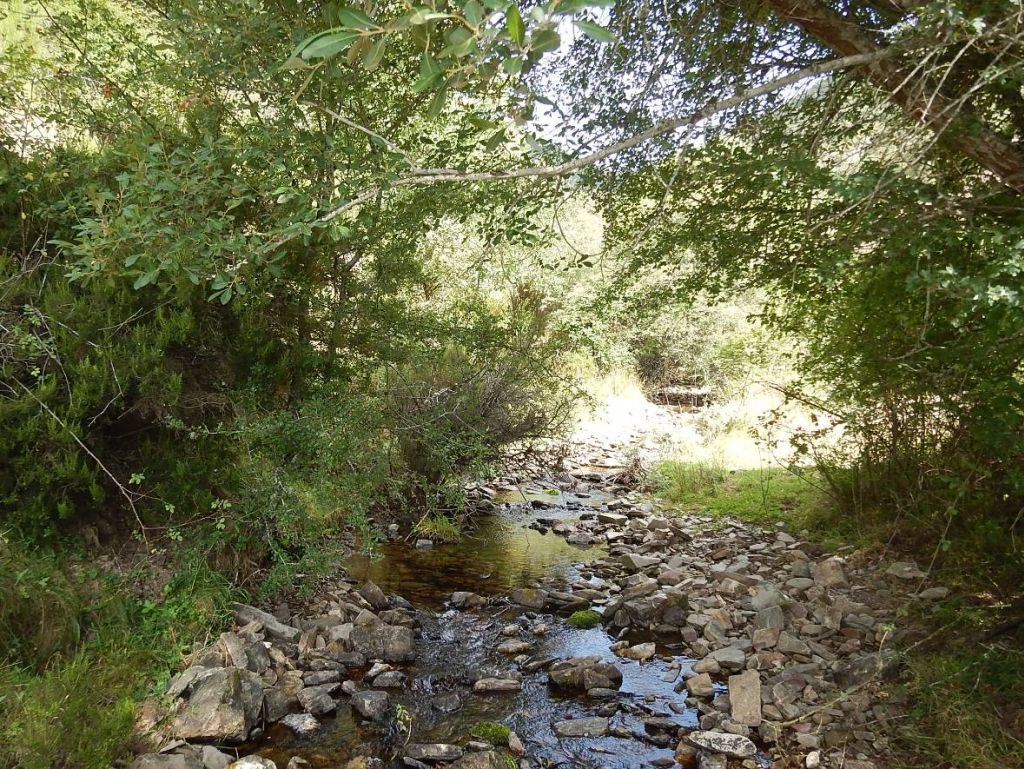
(577, 626)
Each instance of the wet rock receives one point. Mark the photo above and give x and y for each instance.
(392, 679)
(488, 685)
(392, 643)
(317, 699)
(745, 698)
(223, 707)
(464, 600)
(447, 703)
(712, 761)
(424, 544)
(585, 673)
(514, 647)
(433, 752)
(244, 614)
(371, 705)
(640, 652)
(301, 724)
(213, 758)
(734, 745)
(593, 726)
(531, 598)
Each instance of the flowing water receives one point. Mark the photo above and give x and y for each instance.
(456, 648)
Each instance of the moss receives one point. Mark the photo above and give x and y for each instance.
(510, 761)
(585, 619)
(492, 732)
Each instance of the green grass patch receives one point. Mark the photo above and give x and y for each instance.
(763, 495)
(585, 619)
(438, 527)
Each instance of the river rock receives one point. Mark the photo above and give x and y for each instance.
(374, 596)
(641, 652)
(464, 600)
(252, 762)
(745, 698)
(222, 707)
(392, 679)
(485, 759)
(433, 751)
(392, 643)
(488, 685)
(734, 745)
(585, 673)
(372, 704)
(828, 573)
(514, 647)
(447, 703)
(301, 724)
(531, 598)
(593, 726)
(244, 614)
(700, 686)
(317, 699)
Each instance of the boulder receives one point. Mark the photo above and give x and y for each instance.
(531, 598)
(301, 724)
(585, 673)
(317, 699)
(222, 707)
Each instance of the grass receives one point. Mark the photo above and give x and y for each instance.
(764, 495)
(78, 650)
(438, 527)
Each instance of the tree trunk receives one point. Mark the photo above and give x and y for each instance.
(956, 124)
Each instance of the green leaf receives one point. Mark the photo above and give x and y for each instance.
(514, 25)
(430, 73)
(145, 279)
(496, 5)
(473, 12)
(595, 31)
(328, 43)
(423, 15)
(373, 56)
(513, 66)
(438, 102)
(355, 19)
(545, 40)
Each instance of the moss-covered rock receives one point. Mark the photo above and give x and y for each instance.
(584, 619)
(492, 732)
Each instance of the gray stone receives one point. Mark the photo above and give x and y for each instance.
(531, 598)
(371, 705)
(486, 685)
(485, 759)
(433, 751)
(514, 647)
(730, 658)
(374, 596)
(393, 679)
(222, 707)
(167, 761)
(641, 652)
(213, 758)
(745, 698)
(772, 617)
(253, 762)
(734, 745)
(585, 673)
(638, 562)
(392, 643)
(593, 726)
(244, 614)
(317, 699)
(767, 596)
(828, 573)
(447, 703)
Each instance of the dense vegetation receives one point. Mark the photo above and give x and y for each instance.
(274, 271)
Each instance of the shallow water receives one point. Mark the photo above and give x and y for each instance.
(456, 648)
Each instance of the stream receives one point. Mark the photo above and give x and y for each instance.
(510, 547)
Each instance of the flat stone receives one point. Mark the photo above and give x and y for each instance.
(593, 726)
(745, 698)
(167, 761)
(486, 685)
(485, 759)
(730, 657)
(531, 598)
(641, 652)
(734, 745)
(638, 562)
(244, 614)
(514, 647)
(433, 751)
